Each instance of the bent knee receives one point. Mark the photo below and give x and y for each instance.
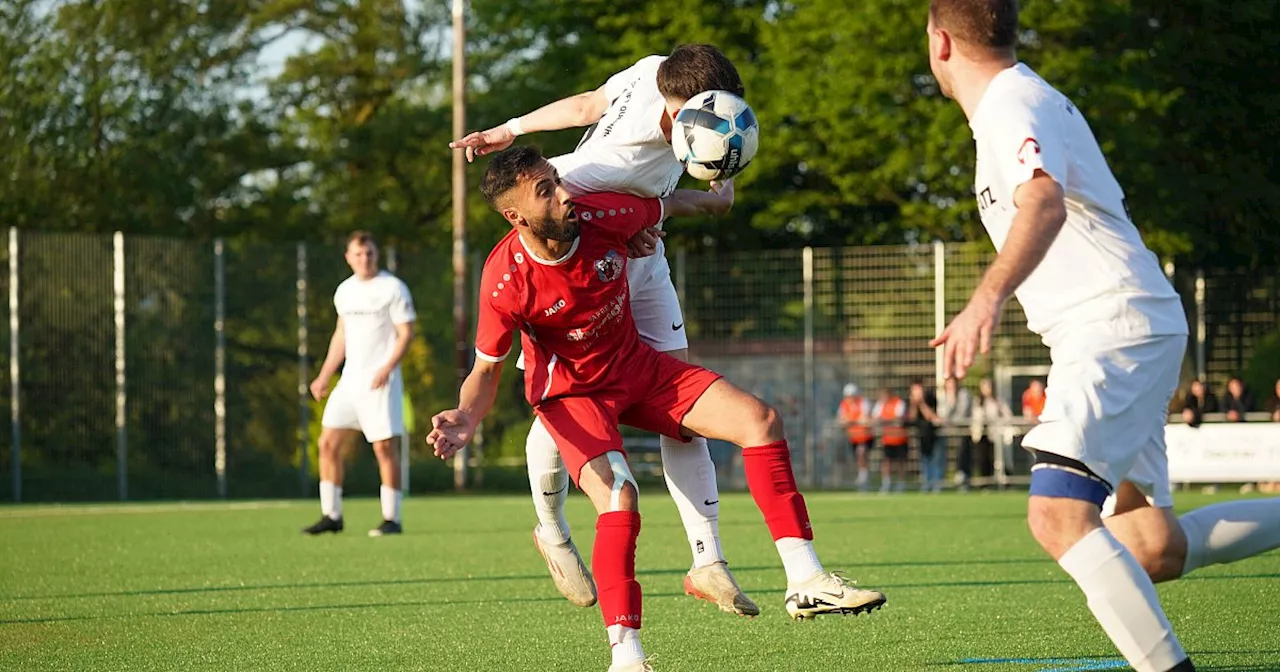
(329, 446)
(1058, 524)
(767, 422)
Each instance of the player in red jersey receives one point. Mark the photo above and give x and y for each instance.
(559, 277)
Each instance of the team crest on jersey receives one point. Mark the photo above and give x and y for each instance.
(610, 267)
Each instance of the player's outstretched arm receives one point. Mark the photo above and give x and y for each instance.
(582, 109)
(452, 429)
(716, 201)
(332, 360)
(1042, 211)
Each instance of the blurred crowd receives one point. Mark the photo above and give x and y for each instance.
(981, 430)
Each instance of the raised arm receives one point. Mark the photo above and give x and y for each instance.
(582, 109)
(716, 201)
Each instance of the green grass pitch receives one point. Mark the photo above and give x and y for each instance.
(214, 586)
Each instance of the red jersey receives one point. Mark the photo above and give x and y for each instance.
(575, 313)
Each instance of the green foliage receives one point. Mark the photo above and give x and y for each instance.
(160, 118)
(1262, 371)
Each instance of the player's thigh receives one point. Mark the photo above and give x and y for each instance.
(663, 391)
(728, 413)
(381, 411)
(340, 410)
(583, 428)
(655, 307)
(1104, 409)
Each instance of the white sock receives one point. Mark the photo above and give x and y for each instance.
(390, 502)
(549, 483)
(625, 645)
(863, 476)
(798, 559)
(1230, 531)
(691, 480)
(331, 499)
(1123, 599)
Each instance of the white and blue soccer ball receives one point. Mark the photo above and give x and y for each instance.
(715, 135)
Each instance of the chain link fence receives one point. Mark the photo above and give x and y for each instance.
(145, 368)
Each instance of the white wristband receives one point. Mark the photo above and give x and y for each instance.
(513, 125)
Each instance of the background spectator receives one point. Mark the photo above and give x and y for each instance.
(991, 417)
(855, 416)
(1238, 400)
(922, 414)
(1033, 401)
(1199, 400)
(890, 412)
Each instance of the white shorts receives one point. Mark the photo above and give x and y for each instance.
(379, 413)
(654, 303)
(655, 307)
(1106, 407)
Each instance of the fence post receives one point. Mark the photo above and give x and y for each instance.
(810, 405)
(393, 266)
(122, 431)
(220, 367)
(15, 386)
(939, 307)
(1201, 324)
(303, 389)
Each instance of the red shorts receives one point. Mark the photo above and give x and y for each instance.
(654, 394)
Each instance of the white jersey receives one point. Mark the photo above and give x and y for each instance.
(626, 151)
(370, 310)
(1098, 272)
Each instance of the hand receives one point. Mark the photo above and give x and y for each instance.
(725, 191)
(1233, 416)
(645, 242)
(320, 387)
(480, 143)
(968, 334)
(380, 378)
(451, 431)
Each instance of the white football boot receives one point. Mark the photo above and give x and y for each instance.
(829, 593)
(570, 574)
(715, 584)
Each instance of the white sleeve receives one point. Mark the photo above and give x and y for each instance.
(618, 83)
(1026, 136)
(402, 305)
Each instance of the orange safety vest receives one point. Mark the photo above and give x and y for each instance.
(851, 410)
(892, 432)
(1033, 403)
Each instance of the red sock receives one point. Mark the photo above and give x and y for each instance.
(773, 486)
(613, 562)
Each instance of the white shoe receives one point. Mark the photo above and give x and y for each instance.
(715, 584)
(639, 666)
(570, 574)
(829, 593)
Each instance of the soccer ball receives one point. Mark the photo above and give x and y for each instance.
(715, 135)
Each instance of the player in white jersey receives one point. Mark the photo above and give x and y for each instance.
(1100, 501)
(375, 325)
(628, 149)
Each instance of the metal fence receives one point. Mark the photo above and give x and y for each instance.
(154, 368)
